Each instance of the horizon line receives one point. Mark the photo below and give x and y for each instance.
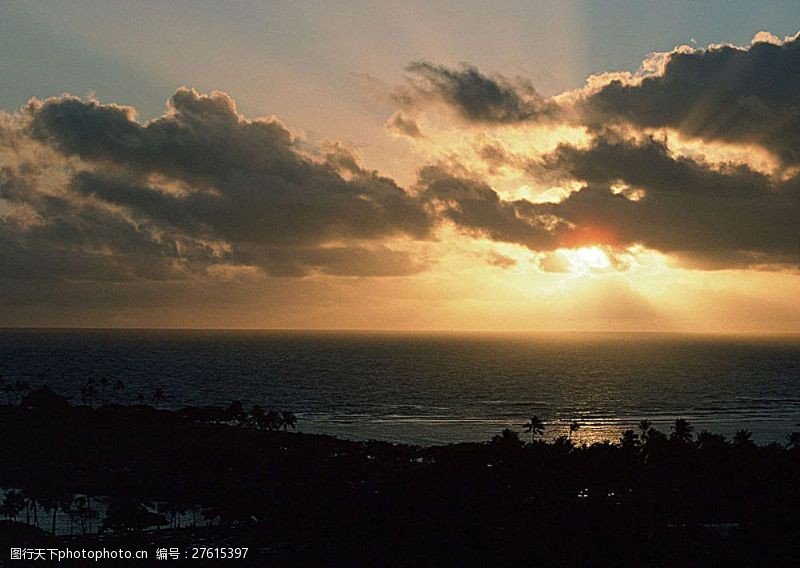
(397, 330)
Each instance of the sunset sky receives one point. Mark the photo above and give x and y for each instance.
(608, 166)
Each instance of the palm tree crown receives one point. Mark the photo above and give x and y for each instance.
(535, 427)
(682, 430)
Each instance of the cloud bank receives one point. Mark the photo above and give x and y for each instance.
(200, 187)
(89, 194)
(635, 187)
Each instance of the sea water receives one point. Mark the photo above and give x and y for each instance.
(429, 388)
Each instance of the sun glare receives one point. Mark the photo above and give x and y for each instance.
(587, 259)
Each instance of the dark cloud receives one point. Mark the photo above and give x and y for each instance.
(200, 138)
(88, 193)
(199, 186)
(403, 125)
(635, 193)
(58, 236)
(705, 217)
(723, 93)
(476, 208)
(473, 95)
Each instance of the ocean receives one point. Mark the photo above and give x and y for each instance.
(432, 388)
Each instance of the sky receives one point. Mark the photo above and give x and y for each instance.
(607, 166)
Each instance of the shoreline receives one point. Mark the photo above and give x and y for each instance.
(651, 493)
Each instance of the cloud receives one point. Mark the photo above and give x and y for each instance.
(403, 125)
(627, 186)
(705, 217)
(197, 187)
(633, 192)
(740, 95)
(202, 193)
(475, 208)
(473, 95)
(500, 260)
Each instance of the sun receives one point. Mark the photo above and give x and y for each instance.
(588, 259)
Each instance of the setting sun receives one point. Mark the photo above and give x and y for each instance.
(588, 259)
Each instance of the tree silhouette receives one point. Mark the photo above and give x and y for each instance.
(507, 438)
(682, 431)
(534, 427)
(85, 513)
(158, 396)
(629, 440)
(574, 426)
(644, 429)
(655, 437)
(54, 501)
(793, 440)
(288, 419)
(235, 412)
(563, 443)
(33, 499)
(273, 420)
(126, 515)
(743, 439)
(13, 503)
(45, 400)
(88, 392)
(258, 419)
(67, 507)
(175, 512)
(708, 441)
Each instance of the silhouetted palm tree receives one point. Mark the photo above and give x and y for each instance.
(54, 502)
(126, 515)
(273, 420)
(288, 419)
(235, 412)
(158, 396)
(13, 503)
(33, 498)
(534, 427)
(629, 439)
(507, 438)
(573, 427)
(67, 507)
(793, 440)
(708, 441)
(743, 439)
(85, 513)
(88, 392)
(258, 419)
(644, 428)
(175, 513)
(682, 431)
